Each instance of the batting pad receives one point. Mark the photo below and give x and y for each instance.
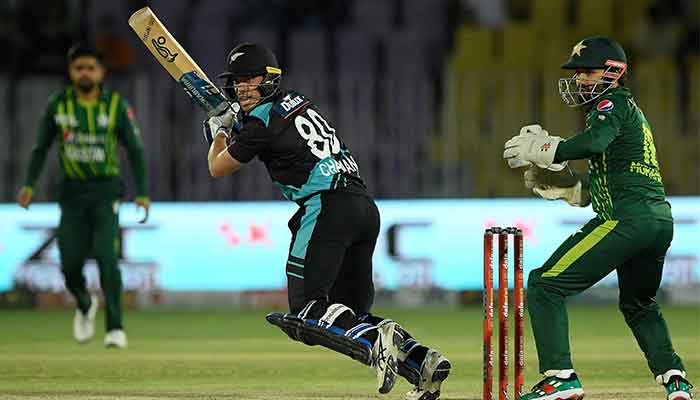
(312, 335)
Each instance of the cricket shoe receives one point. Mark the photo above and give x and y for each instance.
(385, 354)
(84, 324)
(678, 388)
(434, 369)
(555, 388)
(116, 338)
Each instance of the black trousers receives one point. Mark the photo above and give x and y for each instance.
(330, 256)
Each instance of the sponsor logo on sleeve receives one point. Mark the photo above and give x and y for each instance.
(605, 105)
(289, 103)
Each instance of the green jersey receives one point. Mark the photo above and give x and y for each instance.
(87, 135)
(625, 180)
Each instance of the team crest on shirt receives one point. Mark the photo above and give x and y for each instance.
(68, 136)
(605, 105)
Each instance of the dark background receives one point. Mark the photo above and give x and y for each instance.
(425, 92)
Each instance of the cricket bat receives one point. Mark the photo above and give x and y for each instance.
(173, 57)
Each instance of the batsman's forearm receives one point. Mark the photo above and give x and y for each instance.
(217, 146)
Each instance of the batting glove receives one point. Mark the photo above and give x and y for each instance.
(221, 124)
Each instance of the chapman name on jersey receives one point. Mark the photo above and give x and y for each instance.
(300, 149)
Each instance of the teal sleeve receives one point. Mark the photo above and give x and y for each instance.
(46, 136)
(601, 129)
(130, 138)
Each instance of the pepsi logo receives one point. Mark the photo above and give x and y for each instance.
(605, 105)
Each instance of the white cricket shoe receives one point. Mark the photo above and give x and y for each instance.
(385, 354)
(434, 369)
(677, 387)
(84, 324)
(116, 338)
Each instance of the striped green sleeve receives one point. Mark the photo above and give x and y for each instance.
(130, 137)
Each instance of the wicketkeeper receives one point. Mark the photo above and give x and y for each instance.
(88, 121)
(630, 234)
(329, 267)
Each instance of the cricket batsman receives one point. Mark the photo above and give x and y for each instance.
(88, 121)
(631, 233)
(334, 231)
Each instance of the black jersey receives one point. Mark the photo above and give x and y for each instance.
(301, 150)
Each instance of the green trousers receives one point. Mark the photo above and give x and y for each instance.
(89, 227)
(636, 249)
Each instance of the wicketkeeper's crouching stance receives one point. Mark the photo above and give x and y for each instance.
(329, 268)
(631, 233)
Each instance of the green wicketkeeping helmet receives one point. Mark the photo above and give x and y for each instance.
(596, 52)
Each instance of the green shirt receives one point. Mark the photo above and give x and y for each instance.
(87, 136)
(625, 180)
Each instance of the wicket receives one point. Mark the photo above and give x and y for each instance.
(518, 294)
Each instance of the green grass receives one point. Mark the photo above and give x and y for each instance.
(236, 355)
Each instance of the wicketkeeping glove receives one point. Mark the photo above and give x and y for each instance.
(526, 132)
(563, 185)
(538, 150)
(535, 176)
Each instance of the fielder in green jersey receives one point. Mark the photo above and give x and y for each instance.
(631, 233)
(88, 121)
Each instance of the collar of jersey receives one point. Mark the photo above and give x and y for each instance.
(623, 90)
(87, 103)
(262, 112)
(104, 95)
